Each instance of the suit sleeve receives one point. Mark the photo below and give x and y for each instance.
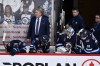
(30, 29)
(47, 26)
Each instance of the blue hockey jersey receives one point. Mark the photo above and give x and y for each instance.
(63, 39)
(89, 45)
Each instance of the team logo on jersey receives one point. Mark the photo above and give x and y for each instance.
(25, 20)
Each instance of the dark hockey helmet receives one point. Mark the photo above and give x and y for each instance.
(83, 34)
(44, 39)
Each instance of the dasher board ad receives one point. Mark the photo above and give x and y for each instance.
(47, 60)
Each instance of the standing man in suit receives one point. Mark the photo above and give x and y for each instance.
(38, 27)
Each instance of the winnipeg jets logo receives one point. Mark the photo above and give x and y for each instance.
(91, 62)
(25, 20)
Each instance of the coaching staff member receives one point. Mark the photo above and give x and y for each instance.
(39, 25)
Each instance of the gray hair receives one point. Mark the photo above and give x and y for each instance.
(40, 9)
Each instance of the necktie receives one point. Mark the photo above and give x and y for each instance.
(37, 26)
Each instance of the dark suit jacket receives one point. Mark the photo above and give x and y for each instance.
(44, 27)
(97, 31)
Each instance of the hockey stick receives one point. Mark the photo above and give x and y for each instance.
(4, 36)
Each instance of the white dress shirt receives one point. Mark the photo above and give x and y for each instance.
(39, 24)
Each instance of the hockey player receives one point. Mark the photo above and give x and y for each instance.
(16, 46)
(34, 45)
(40, 45)
(44, 46)
(87, 43)
(66, 41)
